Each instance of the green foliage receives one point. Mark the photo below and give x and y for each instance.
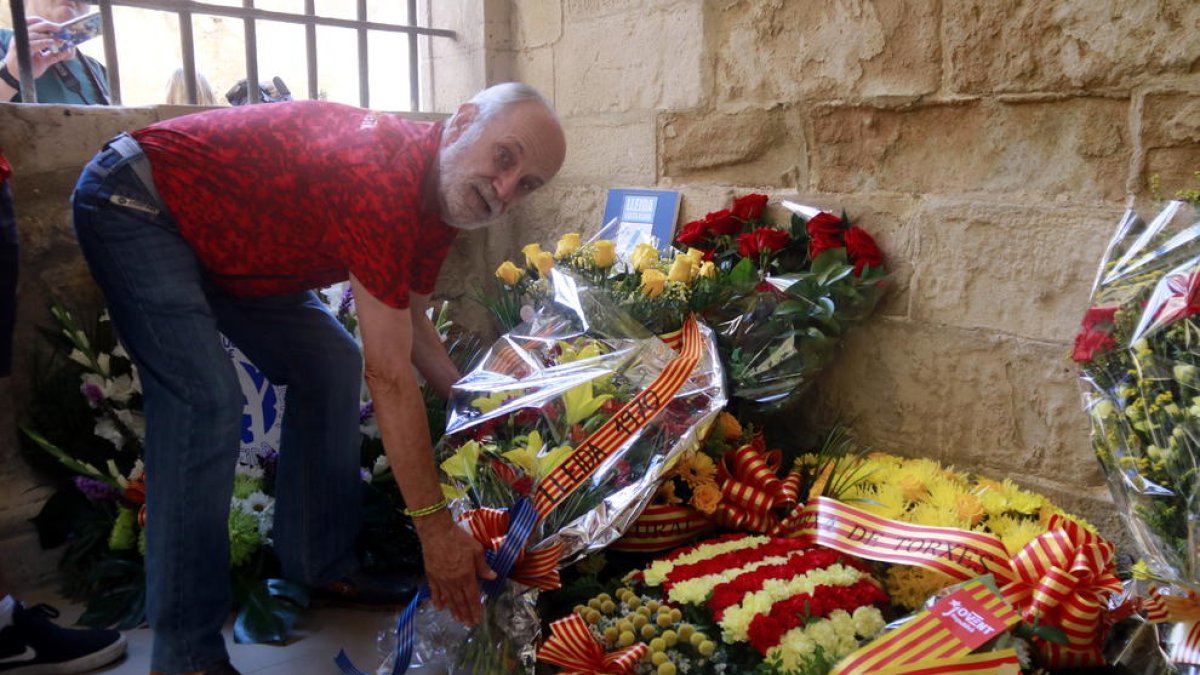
(267, 609)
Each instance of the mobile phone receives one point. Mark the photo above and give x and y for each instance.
(75, 32)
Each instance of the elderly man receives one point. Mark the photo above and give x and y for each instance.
(225, 221)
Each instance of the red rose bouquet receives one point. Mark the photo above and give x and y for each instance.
(780, 298)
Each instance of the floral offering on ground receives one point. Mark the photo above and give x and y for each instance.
(741, 602)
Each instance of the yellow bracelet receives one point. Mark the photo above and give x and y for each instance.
(428, 510)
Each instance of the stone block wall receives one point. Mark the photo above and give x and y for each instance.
(989, 145)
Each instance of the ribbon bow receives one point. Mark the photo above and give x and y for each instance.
(1063, 578)
(750, 490)
(572, 646)
(1163, 608)
(534, 568)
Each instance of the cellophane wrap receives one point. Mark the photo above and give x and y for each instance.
(779, 335)
(1139, 352)
(536, 396)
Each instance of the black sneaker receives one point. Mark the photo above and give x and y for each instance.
(35, 645)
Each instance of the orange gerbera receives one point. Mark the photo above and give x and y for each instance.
(698, 469)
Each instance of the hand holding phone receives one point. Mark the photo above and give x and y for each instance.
(75, 32)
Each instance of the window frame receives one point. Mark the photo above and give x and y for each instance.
(250, 15)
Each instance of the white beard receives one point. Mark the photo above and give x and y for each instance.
(468, 202)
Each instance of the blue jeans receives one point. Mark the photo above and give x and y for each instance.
(168, 314)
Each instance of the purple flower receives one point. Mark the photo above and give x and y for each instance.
(268, 457)
(346, 304)
(364, 474)
(366, 412)
(96, 490)
(93, 392)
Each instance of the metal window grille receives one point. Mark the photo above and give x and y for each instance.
(186, 9)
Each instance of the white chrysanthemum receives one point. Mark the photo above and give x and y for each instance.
(868, 621)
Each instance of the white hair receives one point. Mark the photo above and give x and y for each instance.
(498, 98)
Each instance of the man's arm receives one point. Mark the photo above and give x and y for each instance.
(429, 355)
(453, 559)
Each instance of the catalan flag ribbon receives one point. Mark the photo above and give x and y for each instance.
(1163, 607)
(1062, 578)
(941, 639)
(628, 421)
(572, 647)
(535, 568)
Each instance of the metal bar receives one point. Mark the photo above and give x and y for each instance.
(252, 92)
(267, 15)
(21, 36)
(414, 85)
(364, 86)
(187, 43)
(310, 43)
(110, 52)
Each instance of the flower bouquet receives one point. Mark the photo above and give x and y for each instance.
(737, 603)
(554, 443)
(921, 520)
(652, 290)
(1140, 371)
(780, 299)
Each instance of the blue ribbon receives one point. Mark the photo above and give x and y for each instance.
(522, 519)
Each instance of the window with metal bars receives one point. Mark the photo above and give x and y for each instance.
(186, 12)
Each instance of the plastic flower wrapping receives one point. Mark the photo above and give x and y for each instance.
(1139, 352)
(781, 299)
(574, 417)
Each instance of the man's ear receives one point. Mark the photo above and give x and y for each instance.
(462, 120)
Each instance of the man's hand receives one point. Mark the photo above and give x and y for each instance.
(453, 564)
(40, 31)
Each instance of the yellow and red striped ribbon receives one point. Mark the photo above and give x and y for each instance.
(661, 527)
(1062, 578)
(1163, 608)
(573, 648)
(536, 568)
(926, 639)
(750, 490)
(611, 435)
(1000, 662)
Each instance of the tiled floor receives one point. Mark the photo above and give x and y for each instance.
(319, 635)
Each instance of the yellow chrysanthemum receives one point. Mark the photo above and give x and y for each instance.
(1021, 501)
(885, 501)
(1015, 532)
(925, 513)
(909, 587)
(954, 498)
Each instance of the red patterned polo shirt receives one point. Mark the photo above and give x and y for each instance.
(284, 197)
